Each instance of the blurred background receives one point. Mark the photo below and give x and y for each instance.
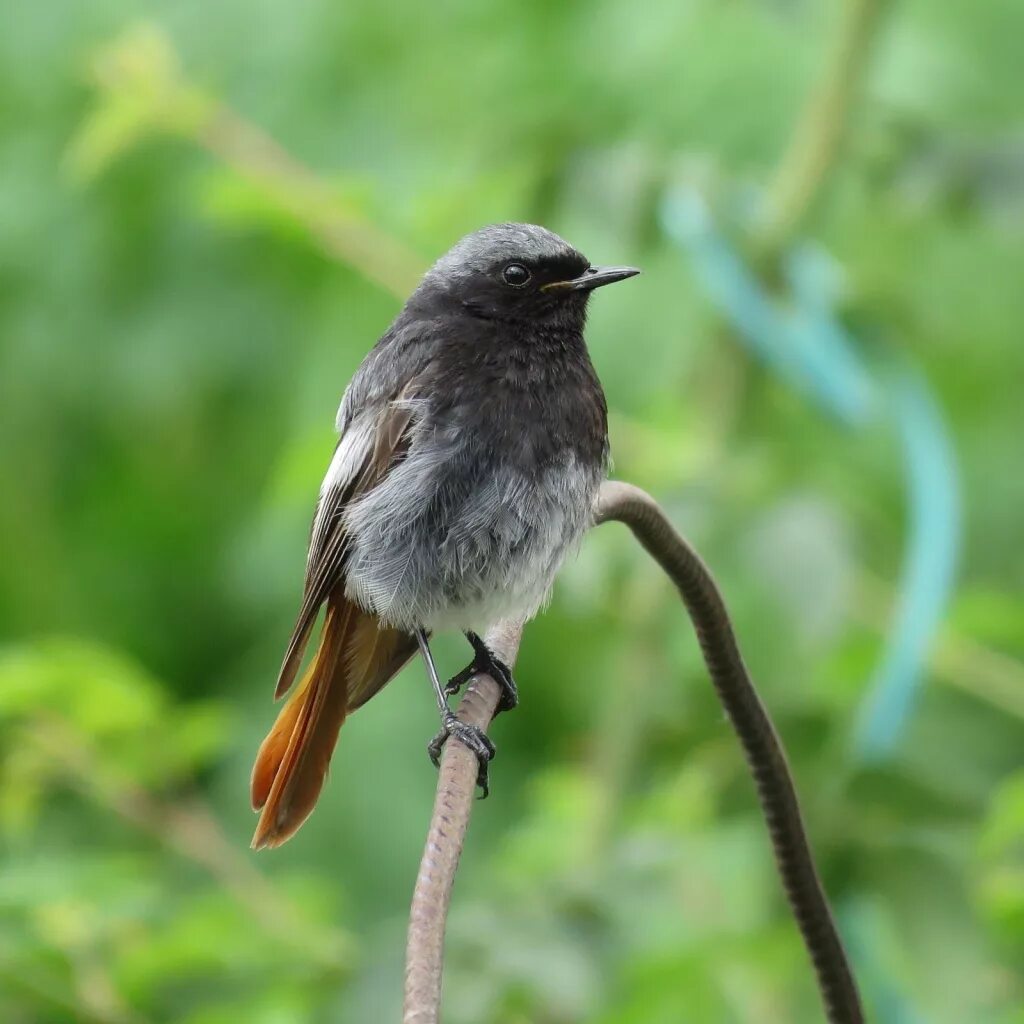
(210, 211)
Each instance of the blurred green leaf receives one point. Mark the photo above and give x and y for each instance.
(208, 218)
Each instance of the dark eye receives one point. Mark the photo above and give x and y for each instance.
(515, 275)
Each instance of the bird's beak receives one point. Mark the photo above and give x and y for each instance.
(591, 278)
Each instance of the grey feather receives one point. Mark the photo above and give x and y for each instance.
(471, 522)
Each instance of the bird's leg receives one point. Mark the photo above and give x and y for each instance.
(474, 738)
(486, 662)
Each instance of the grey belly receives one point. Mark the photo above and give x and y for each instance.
(431, 550)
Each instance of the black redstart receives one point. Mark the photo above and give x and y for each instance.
(473, 442)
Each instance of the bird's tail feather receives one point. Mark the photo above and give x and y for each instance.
(356, 656)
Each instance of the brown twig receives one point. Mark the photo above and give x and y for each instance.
(624, 503)
(144, 89)
(341, 232)
(456, 788)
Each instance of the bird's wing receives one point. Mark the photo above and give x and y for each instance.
(356, 654)
(364, 454)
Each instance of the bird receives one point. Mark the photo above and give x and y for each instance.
(473, 439)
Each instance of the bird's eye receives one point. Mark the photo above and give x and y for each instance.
(515, 275)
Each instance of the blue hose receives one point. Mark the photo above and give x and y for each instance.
(804, 344)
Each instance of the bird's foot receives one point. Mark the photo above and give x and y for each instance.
(474, 738)
(486, 662)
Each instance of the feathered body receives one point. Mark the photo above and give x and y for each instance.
(474, 519)
(473, 443)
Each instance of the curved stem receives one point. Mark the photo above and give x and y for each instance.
(640, 512)
(620, 502)
(456, 788)
(819, 133)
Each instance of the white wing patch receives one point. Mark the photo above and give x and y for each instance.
(350, 456)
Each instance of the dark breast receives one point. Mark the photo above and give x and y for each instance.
(525, 397)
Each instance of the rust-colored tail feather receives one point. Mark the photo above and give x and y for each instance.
(355, 658)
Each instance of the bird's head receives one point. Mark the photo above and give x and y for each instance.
(517, 272)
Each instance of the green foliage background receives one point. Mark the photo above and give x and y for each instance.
(180, 308)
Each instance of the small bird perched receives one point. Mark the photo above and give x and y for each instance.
(474, 438)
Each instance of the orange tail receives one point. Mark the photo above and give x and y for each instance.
(355, 658)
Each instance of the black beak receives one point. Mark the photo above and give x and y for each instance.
(591, 278)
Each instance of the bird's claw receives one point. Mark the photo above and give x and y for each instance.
(486, 662)
(459, 680)
(470, 736)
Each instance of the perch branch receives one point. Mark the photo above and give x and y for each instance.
(619, 502)
(456, 788)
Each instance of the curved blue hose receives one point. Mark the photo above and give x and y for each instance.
(804, 344)
(929, 561)
(801, 341)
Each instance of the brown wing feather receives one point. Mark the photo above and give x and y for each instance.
(327, 547)
(355, 657)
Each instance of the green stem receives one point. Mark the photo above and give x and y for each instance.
(819, 133)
